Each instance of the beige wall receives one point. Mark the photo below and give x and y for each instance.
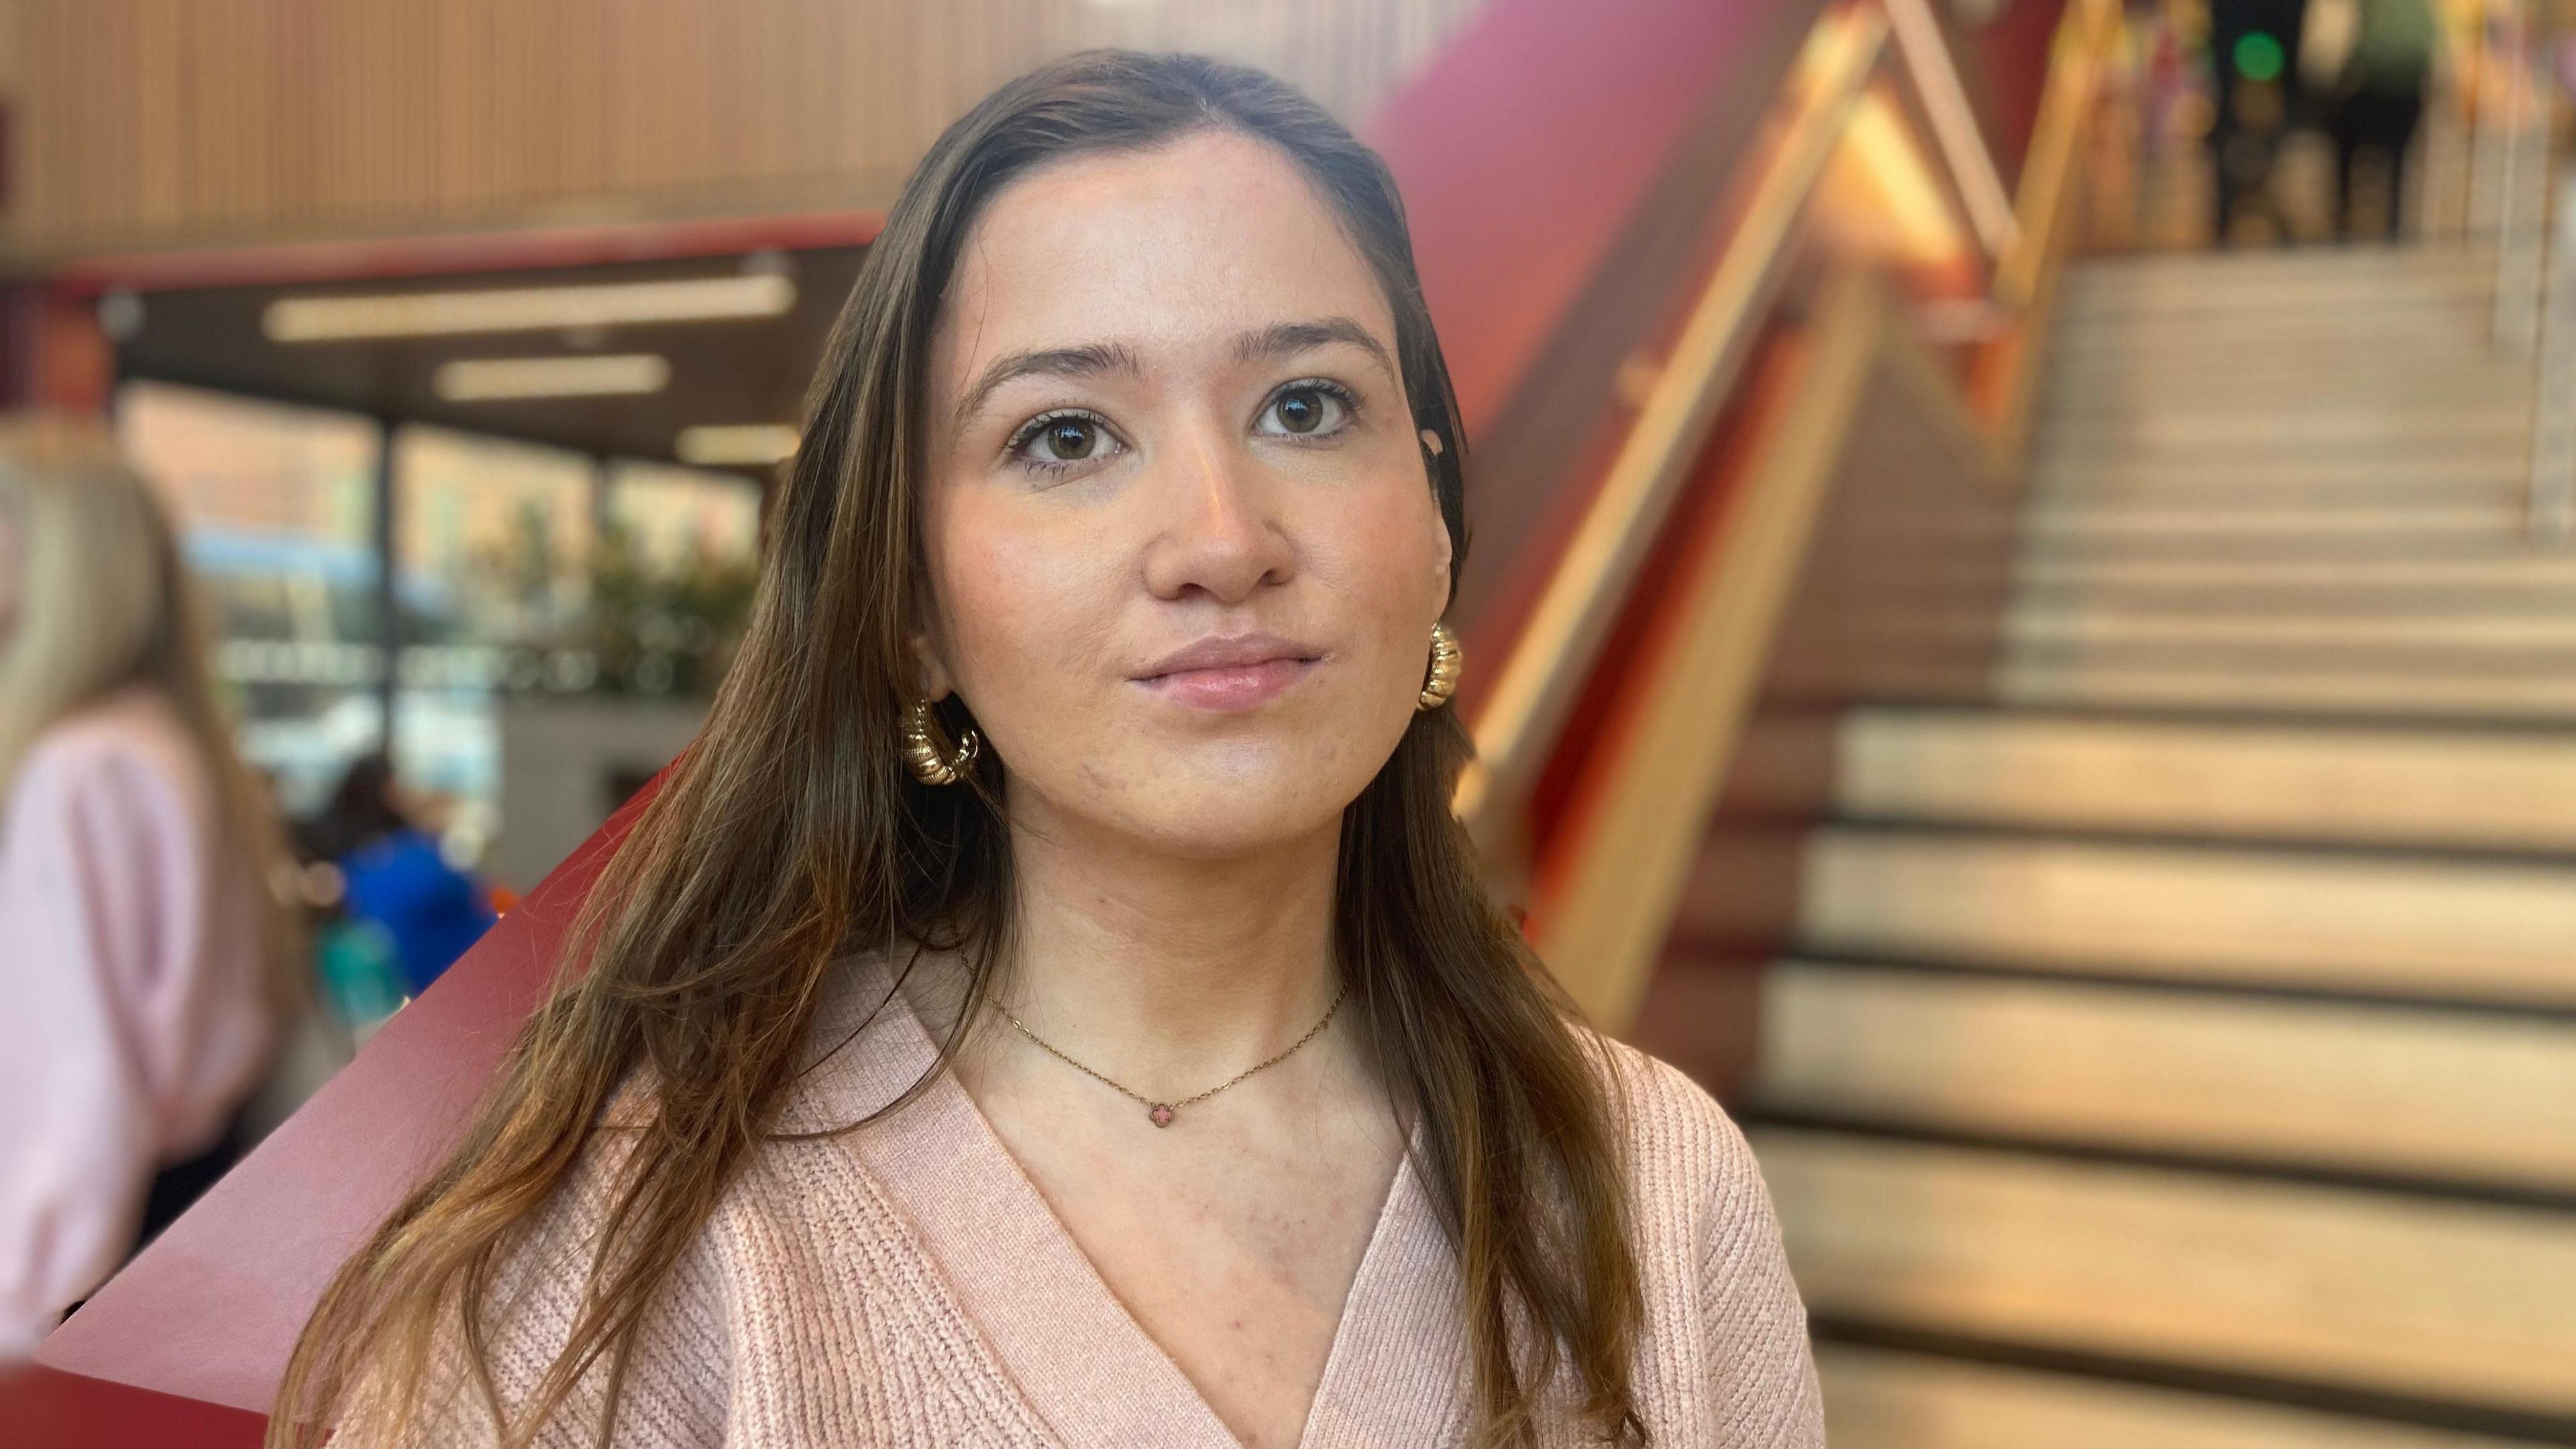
(154, 123)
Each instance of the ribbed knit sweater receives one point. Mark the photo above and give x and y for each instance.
(906, 1285)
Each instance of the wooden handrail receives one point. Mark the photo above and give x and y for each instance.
(1627, 865)
(1553, 655)
(2049, 174)
(1954, 124)
(1555, 650)
(1608, 904)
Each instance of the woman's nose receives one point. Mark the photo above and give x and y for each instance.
(1223, 535)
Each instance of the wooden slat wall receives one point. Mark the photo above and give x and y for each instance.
(152, 123)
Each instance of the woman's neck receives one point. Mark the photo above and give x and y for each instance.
(1171, 968)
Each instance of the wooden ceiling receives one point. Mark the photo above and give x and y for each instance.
(151, 124)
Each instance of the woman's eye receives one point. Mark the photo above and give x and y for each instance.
(1307, 409)
(1066, 438)
(1070, 440)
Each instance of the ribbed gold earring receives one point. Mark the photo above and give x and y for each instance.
(923, 755)
(1446, 661)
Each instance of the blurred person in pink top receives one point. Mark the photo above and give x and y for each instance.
(146, 965)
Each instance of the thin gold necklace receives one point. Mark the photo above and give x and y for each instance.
(1162, 1113)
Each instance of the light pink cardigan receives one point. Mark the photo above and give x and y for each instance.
(906, 1285)
(133, 1014)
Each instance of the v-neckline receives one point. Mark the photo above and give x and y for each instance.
(1078, 1355)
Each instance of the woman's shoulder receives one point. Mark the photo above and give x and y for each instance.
(129, 745)
(1692, 1175)
(1714, 1269)
(677, 1381)
(109, 792)
(791, 1251)
(1678, 1136)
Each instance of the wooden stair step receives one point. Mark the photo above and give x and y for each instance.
(2448, 641)
(2281, 306)
(2280, 311)
(2154, 428)
(2274, 349)
(1887, 1399)
(2395, 1294)
(2475, 788)
(2166, 282)
(2113, 391)
(2400, 650)
(2073, 481)
(2485, 1098)
(2120, 536)
(2501, 525)
(2335, 921)
(2458, 361)
(2430, 578)
(2310, 591)
(2450, 356)
(2196, 687)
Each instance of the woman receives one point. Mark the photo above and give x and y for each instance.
(1052, 1002)
(147, 966)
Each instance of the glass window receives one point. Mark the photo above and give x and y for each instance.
(493, 549)
(592, 615)
(276, 511)
(679, 516)
(679, 555)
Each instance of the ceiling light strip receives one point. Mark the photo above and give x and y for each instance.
(500, 379)
(736, 445)
(526, 309)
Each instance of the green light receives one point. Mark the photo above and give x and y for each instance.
(2259, 57)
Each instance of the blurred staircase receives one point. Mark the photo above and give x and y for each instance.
(2180, 1048)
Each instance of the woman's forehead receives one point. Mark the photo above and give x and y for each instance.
(1178, 251)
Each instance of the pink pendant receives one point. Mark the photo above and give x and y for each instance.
(1161, 1114)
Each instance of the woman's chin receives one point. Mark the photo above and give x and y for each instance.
(1234, 816)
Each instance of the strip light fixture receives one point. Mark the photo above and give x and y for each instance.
(742, 445)
(526, 309)
(502, 379)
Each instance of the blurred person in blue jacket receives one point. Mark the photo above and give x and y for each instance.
(394, 876)
(150, 975)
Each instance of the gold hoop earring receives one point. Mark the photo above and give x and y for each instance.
(1447, 660)
(922, 754)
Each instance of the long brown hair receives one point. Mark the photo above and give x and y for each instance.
(791, 836)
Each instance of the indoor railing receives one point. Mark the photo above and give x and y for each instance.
(1601, 929)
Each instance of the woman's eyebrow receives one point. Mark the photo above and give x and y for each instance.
(1089, 360)
(1284, 339)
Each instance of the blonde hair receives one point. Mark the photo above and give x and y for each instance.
(103, 603)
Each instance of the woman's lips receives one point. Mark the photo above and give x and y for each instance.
(1229, 674)
(1230, 688)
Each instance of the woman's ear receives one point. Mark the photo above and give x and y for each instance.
(929, 671)
(1442, 545)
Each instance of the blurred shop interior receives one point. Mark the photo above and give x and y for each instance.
(2021, 626)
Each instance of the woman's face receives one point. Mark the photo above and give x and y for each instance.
(1183, 546)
